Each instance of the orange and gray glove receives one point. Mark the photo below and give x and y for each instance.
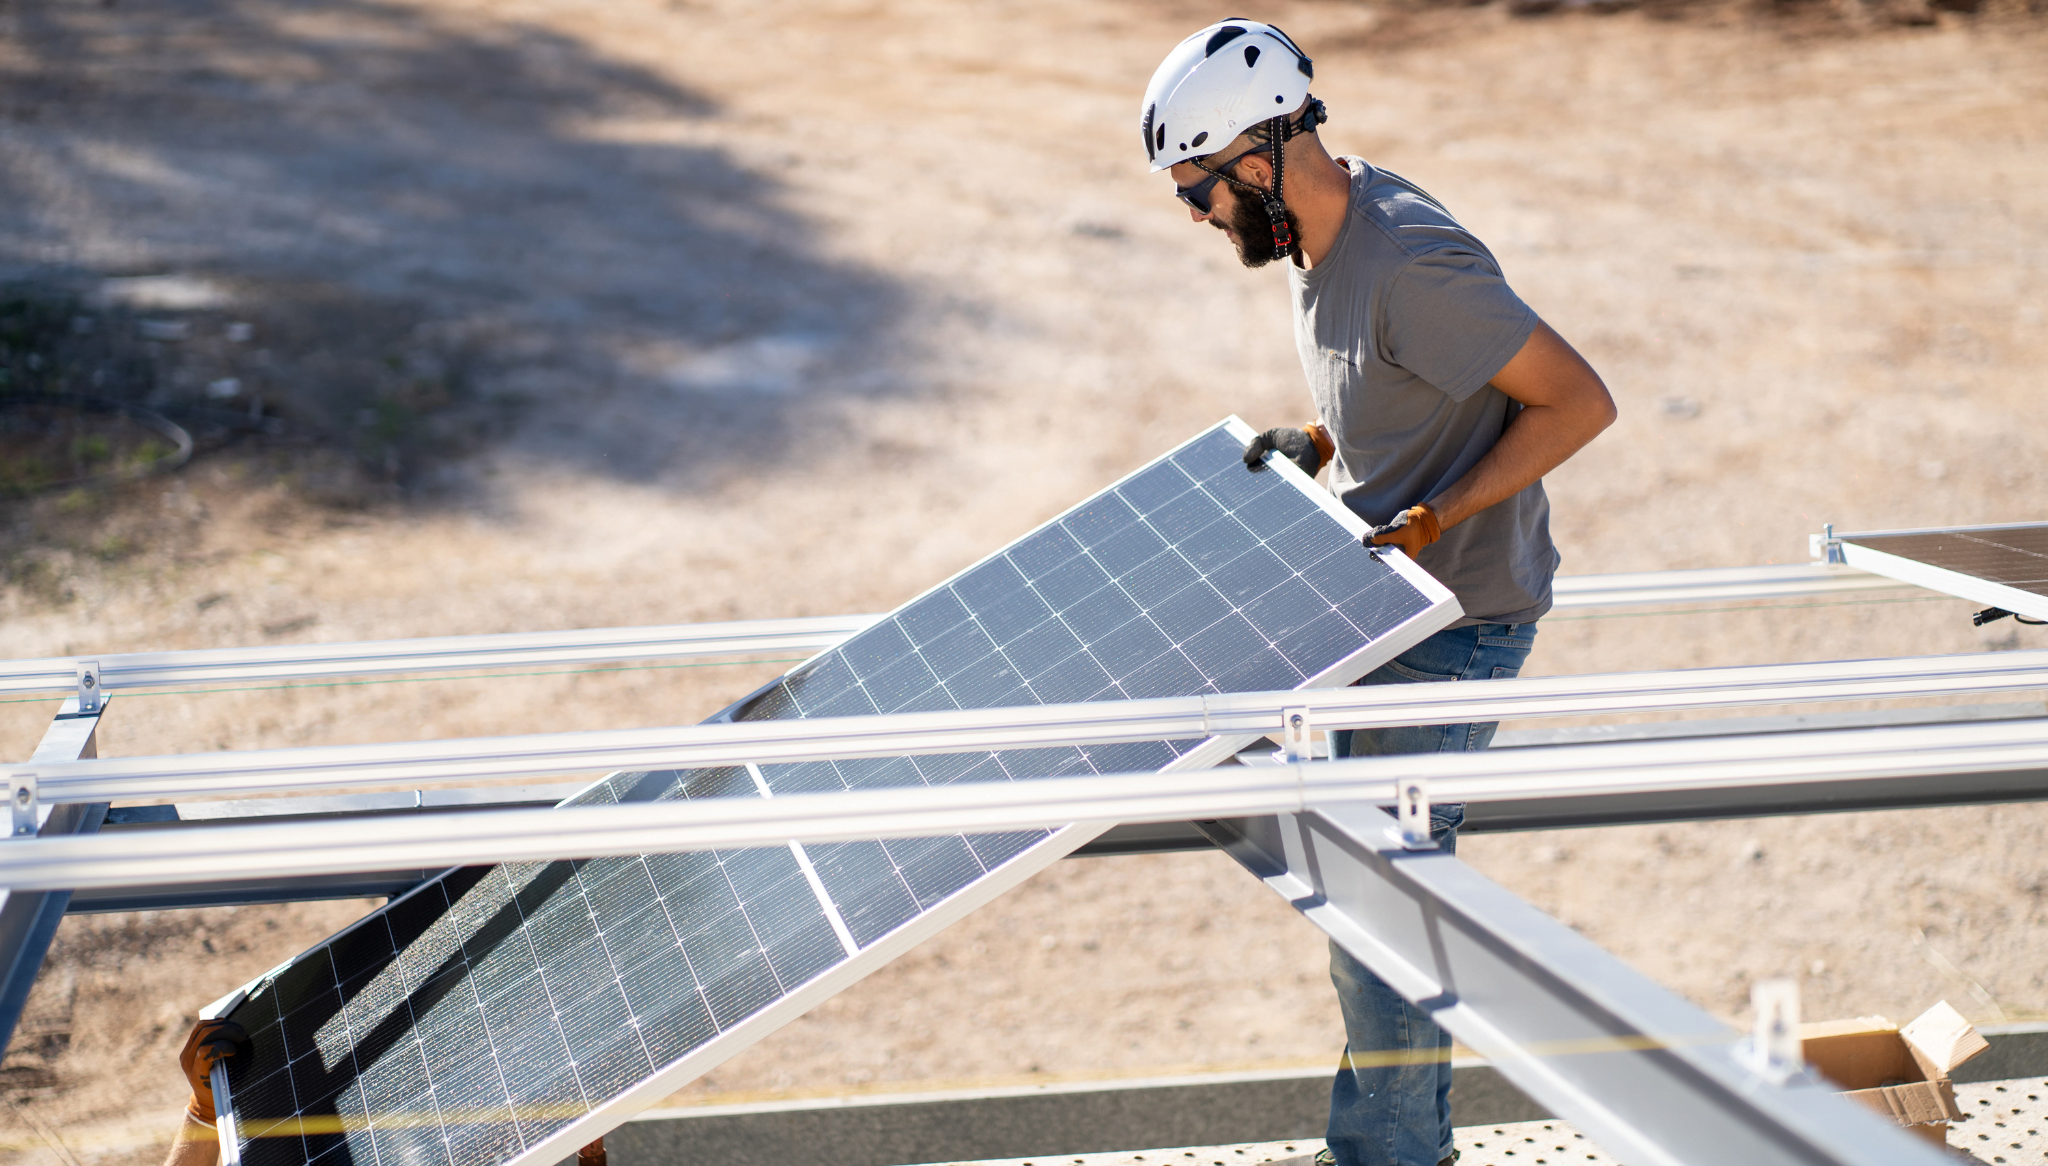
(1308, 447)
(211, 1042)
(592, 1154)
(1411, 530)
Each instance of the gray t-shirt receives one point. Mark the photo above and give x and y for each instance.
(1400, 328)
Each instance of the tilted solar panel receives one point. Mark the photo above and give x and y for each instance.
(2005, 566)
(511, 1013)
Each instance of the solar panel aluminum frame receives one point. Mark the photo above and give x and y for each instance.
(1942, 579)
(1442, 611)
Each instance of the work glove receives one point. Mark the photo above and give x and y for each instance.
(1308, 447)
(592, 1154)
(211, 1042)
(1411, 530)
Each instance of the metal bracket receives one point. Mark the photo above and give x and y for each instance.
(1774, 1041)
(1295, 732)
(1412, 812)
(21, 803)
(1825, 546)
(90, 690)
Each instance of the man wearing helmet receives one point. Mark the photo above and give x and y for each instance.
(1441, 402)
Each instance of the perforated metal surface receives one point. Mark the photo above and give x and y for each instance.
(504, 1013)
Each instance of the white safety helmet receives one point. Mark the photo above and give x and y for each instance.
(1219, 83)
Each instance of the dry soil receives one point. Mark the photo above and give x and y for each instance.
(731, 310)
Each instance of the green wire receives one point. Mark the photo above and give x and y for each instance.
(419, 679)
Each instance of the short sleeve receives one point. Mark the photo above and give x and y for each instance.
(1453, 321)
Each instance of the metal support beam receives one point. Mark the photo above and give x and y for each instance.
(898, 734)
(1648, 1076)
(28, 919)
(682, 641)
(2010, 756)
(133, 670)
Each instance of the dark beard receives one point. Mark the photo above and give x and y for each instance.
(1254, 230)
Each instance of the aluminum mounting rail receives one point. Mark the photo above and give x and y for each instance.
(133, 670)
(128, 671)
(199, 775)
(1714, 585)
(2013, 752)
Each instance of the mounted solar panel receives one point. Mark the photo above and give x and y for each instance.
(2004, 566)
(512, 1013)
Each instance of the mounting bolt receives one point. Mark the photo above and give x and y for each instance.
(1412, 810)
(1295, 730)
(1825, 546)
(21, 804)
(1774, 1049)
(90, 691)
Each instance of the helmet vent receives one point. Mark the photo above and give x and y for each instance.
(1150, 151)
(1251, 56)
(1201, 137)
(1159, 136)
(1221, 37)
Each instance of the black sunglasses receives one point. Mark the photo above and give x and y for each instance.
(1197, 196)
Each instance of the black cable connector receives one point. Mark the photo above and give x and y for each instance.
(1994, 614)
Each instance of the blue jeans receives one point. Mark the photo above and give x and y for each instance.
(1390, 1105)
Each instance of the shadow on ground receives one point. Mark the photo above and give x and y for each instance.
(434, 238)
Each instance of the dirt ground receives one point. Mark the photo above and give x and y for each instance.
(577, 315)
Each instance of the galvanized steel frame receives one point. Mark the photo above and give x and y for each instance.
(1652, 1079)
(29, 918)
(1496, 973)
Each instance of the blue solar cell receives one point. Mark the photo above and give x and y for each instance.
(1075, 678)
(1128, 549)
(498, 1005)
(1131, 647)
(1070, 581)
(933, 617)
(1150, 582)
(1038, 553)
(1223, 645)
(1248, 576)
(1037, 651)
(1284, 608)
(1154, 486)
(1100, 520)
(1186, 514)
(875, 649)
(1169, 675)
(1216, 544)
(1100, 613)
(1189, 610)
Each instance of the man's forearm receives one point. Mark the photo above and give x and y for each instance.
(1537, 441)
(1564, 406)
(196, 1144)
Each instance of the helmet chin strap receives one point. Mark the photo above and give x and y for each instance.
(1276, 206)
(1277, 131)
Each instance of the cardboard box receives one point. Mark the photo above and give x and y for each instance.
(1901, 1073)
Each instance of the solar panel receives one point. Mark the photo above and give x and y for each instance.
(510, 1013)
(2005, 566)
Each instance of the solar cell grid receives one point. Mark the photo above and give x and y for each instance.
(478, 1018)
